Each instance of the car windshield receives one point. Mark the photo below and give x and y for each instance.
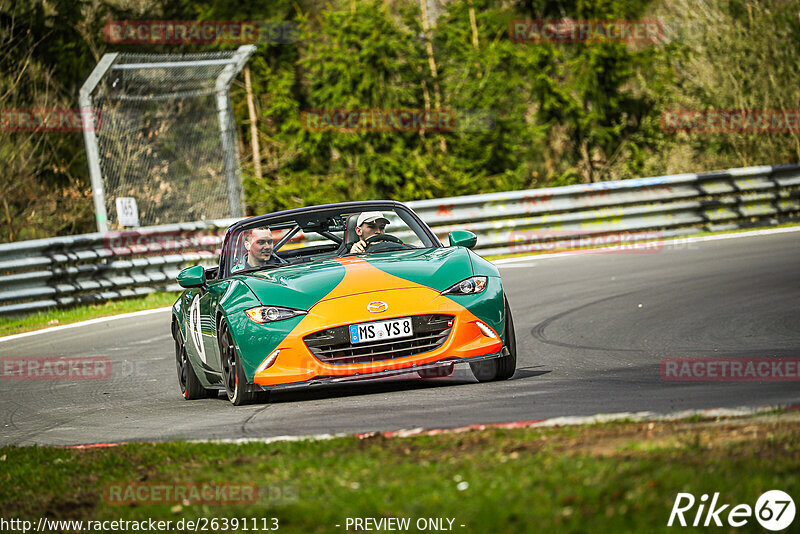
(322, 234)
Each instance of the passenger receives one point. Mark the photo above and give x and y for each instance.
(258, 244)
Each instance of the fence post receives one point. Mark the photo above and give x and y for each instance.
(89, 125)
(230, 151)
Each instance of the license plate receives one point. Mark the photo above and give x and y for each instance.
(378, 330)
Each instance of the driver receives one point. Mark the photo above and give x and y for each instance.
(258, 243)
(368, 224)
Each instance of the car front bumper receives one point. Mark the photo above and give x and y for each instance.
(328, 380)
(467, 340)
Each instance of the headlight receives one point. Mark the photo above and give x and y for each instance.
(470, 286)
(270, 314)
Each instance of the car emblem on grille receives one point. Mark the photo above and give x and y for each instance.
(377, 306)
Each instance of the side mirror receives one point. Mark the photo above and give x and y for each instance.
(462, 238)
(194, 276)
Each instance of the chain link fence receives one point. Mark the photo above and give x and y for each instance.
(163, 148)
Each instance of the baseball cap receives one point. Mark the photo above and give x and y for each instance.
(370, 216)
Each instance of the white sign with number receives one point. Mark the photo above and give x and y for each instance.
(196, 327)
(127, 212)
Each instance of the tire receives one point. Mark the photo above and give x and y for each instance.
(190, 385)
(484, 371)
(504, 367)
(239, 392)
(441, 371)
(507, 365)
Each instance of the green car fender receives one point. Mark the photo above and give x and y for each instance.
(490, 309)
(177, 314)
(298, 287)
(254, 341)
(481, 266)
(488, 305)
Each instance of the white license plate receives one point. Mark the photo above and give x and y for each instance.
(378, 330)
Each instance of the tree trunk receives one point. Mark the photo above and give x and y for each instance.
(251, 108)
(437, 94)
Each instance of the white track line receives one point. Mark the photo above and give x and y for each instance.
(84, 323)
(648, 244)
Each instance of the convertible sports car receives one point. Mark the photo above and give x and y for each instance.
(339, 292)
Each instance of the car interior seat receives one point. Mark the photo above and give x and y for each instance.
(350, 235)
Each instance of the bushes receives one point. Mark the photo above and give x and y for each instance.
(561, 114)
(728, 55)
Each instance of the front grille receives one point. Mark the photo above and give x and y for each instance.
(333, 345)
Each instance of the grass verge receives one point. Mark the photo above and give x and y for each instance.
(55, 317)
(616, 477)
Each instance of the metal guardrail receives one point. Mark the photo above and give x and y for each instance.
(63, 271)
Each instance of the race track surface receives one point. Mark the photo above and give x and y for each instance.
(592, 330)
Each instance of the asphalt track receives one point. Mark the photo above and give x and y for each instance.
(592, 330)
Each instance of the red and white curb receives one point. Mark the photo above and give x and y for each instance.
(634, 417)
(585, 420)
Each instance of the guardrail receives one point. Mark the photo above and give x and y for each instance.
(63, 271)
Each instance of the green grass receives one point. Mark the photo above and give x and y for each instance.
(55, 317)
(618, 477)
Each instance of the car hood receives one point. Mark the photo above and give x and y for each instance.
(303, 285)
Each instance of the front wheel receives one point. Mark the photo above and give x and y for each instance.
(504, 367)
(238, 390)
(191, 388)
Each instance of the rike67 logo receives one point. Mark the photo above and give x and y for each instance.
(774, 510)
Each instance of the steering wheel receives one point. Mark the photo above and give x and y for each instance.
(383, 243)
(382, 238)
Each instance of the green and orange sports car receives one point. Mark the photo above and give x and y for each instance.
(339, 292)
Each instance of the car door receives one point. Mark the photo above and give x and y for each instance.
(201, 329)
